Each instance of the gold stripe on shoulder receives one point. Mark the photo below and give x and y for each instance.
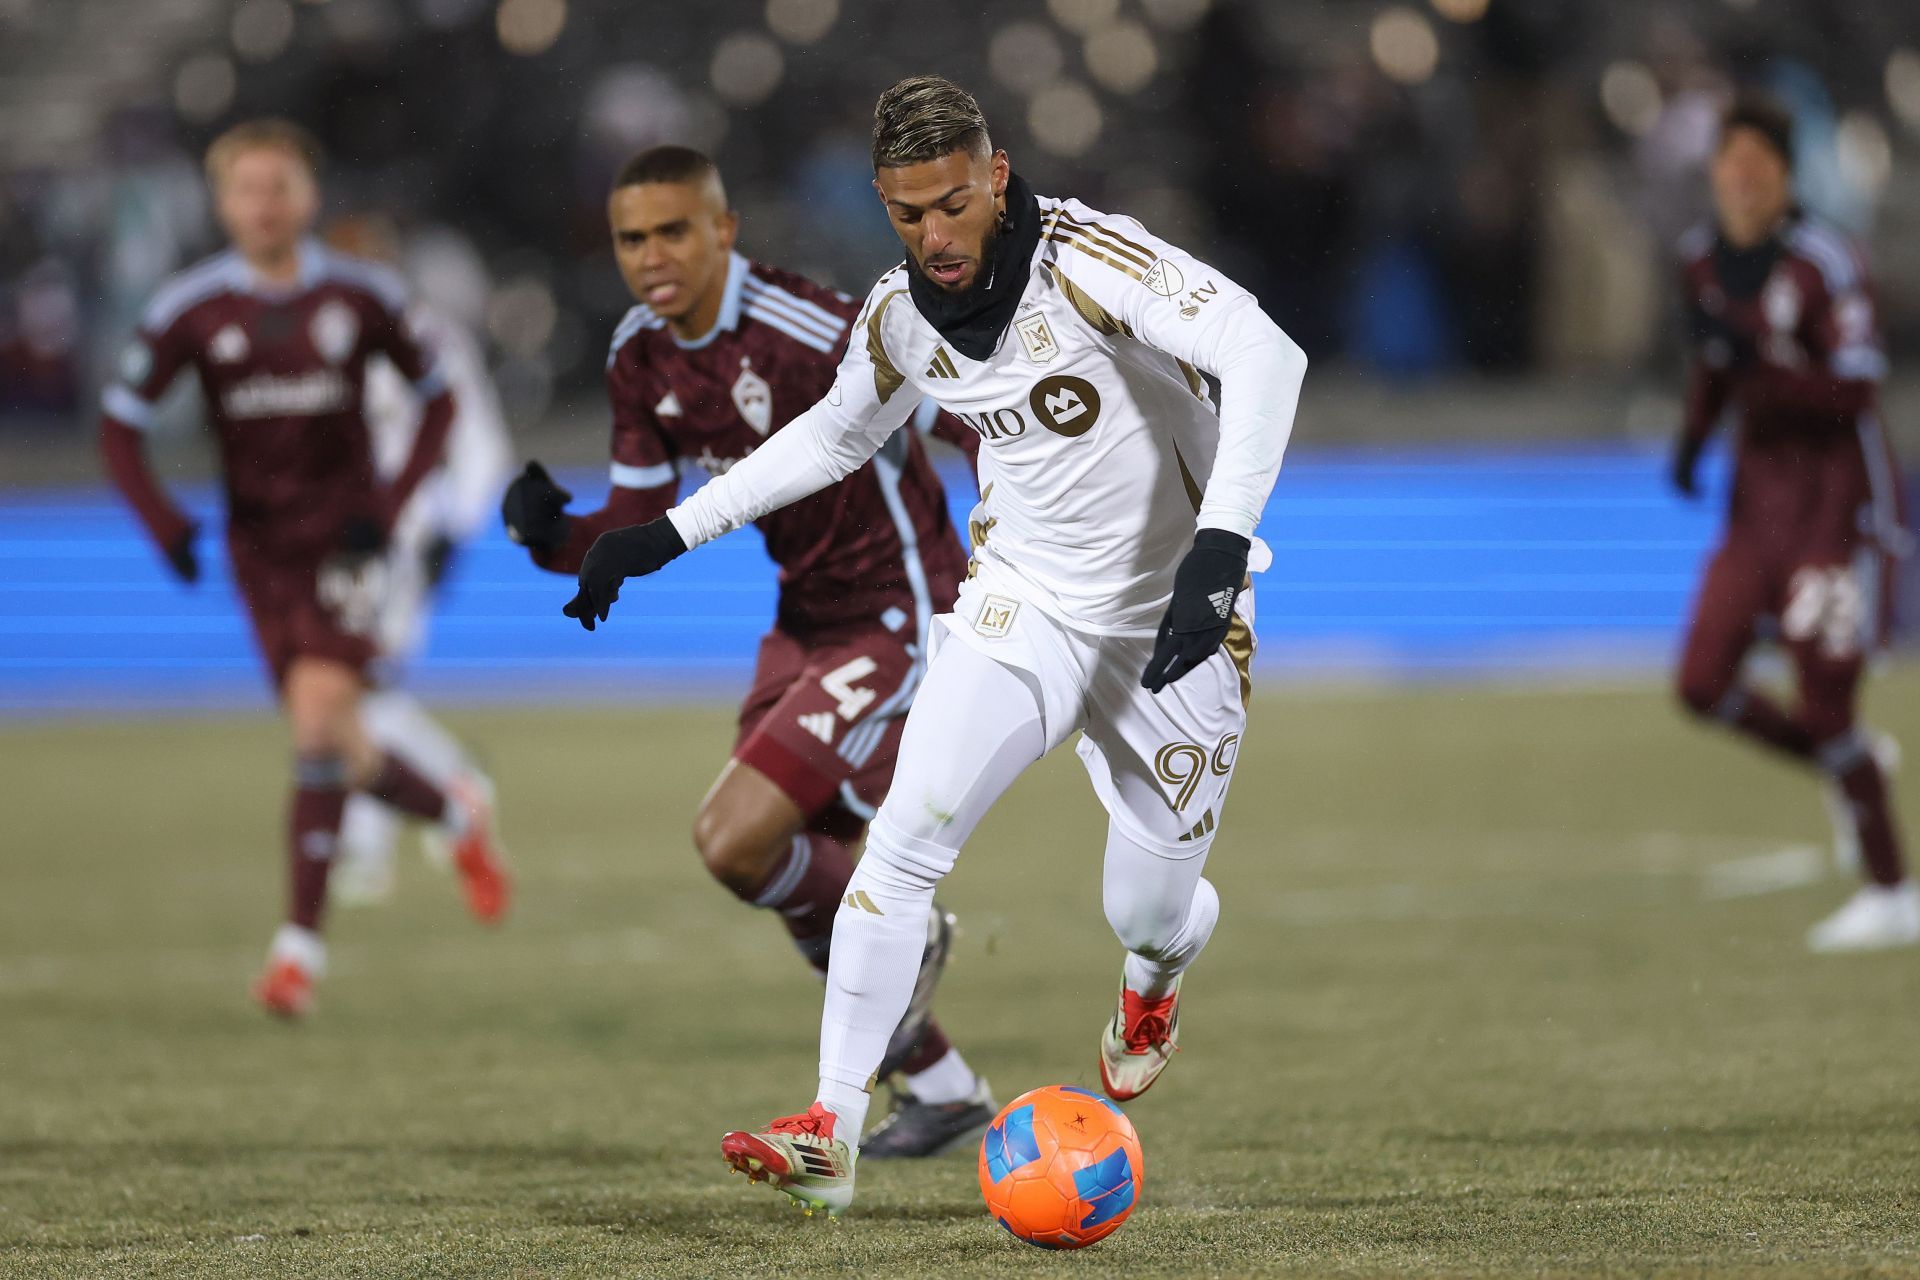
(1103, 320)
(1070, 236)
(1113, 240)
(886, 378)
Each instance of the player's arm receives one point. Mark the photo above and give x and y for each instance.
(1213, 324)
(868, 402)
(152, 360)
(1716, 353)
(400, 340)
(1846, 362)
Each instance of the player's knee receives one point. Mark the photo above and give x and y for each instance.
(736, 856)
(1702, 693)
(1827, 724)
(899, 861)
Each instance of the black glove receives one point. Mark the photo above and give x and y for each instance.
(1724, 345)
(182, 558)
(632, 552)
(362, 537)
(535, 509)
(1686, 462)
(437, 558)
(1205, 586)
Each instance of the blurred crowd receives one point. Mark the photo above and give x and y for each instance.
(1414, 187)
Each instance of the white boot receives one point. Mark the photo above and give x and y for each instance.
(1875, 917)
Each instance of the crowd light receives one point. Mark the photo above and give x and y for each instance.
(1122, 57)
(530, 27)
(1064, 118)
(1631, 97)
(1174, 15)
(1903, 86)
(802, 22)
(1084, 17)
(203, 87)
(747, 68)
(1461, 10)
(521, 315)
(262, 29)
(1404, 46)
(1864, 152)
(1025, 57)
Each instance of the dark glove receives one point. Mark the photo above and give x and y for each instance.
(363, 536)
(615, 556)
(1205, 586)
(1724, 345)
(1686, 463)
(182, 558)
(535, 509)
(438, 558)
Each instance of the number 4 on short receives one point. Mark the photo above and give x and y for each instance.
(839, 684)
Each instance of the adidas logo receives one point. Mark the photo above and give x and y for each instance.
(859, 901)
(1222, 602)
(1200, 828)
(819, 724)
(942, 366)
(669, 406)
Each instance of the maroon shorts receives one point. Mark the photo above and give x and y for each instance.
(303, 608)
(823, 721)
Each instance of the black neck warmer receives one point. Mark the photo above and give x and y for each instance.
(973, 320)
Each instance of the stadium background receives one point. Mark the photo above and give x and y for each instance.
(1463, 210)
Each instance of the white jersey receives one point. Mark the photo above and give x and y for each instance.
(1100, 451)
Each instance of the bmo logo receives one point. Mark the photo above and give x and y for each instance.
(1066, 405)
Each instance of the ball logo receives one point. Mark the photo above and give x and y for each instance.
(1065, 405)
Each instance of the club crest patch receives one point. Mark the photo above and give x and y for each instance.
(229, 346)
(754, 399)
(996, 616)
(334, 330)
(1037, 338)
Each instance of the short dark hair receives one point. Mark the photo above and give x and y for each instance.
(923, 118)
(666, 163)
(1762, 114)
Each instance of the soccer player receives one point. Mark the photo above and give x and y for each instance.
(1786, 343)
(718, 356)
(278, 332)
(1108, 595)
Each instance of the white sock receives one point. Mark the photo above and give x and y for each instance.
(948, 1080)
(849, 1107)
(1154, 978)
(302, 946)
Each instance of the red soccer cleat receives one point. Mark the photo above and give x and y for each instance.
(1137, 1044)
(478, 857)
(799, 1157)
(285, 989)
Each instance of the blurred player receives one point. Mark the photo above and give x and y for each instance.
(445, 511)
(1786, 340)
(278, 331)
(719, 355)
(1111, 562)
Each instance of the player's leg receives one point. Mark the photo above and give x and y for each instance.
(1161, 764)
(975, 726)
(1829, 638)
(397, 722)
(751, 838)
(1734, 592)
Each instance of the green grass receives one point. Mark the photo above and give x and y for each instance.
(1477, 1005)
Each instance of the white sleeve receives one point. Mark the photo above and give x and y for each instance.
(1173, 302)
(868, 402)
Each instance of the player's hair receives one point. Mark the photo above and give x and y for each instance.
(668, 163)
(1762, 114)
(267, 134)
(923, 118)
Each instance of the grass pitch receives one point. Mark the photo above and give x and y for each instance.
(1506, 982)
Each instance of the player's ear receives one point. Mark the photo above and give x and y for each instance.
(1001, 169)
(729, 227)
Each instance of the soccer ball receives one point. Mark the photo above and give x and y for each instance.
(1061, 1167)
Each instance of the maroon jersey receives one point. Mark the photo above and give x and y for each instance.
(1785, 336)
(877, 547)
(281, 372)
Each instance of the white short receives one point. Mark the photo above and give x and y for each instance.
(1160, 763)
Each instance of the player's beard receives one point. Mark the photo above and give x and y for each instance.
(983, 270)
(974, 318)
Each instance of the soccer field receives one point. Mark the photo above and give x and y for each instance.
(1507, 981)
